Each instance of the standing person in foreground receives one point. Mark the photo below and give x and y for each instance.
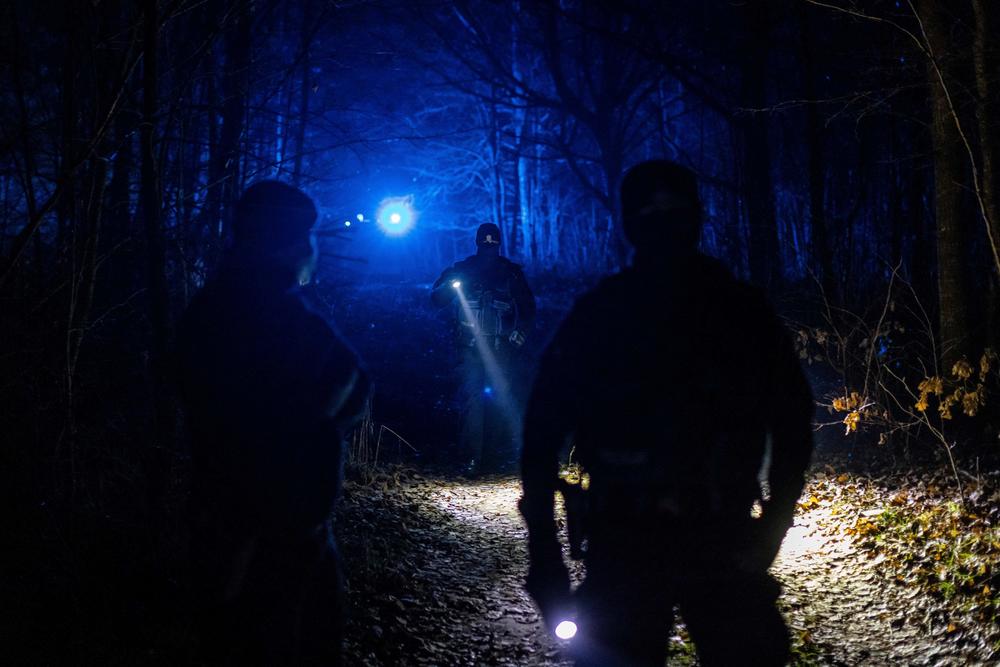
(270, 391)
(494, 315)
(668, 379)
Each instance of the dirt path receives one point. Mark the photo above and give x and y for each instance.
(437, 567)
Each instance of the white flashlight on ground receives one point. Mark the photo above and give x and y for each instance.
(566, 629)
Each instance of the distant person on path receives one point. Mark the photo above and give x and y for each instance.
(669, 379)
(269, 391)
(494, 316)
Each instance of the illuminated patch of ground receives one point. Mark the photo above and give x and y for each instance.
(436, 569)
(855, 593)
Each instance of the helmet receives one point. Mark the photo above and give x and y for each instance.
(660, 206)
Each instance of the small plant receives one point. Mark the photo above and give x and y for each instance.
(965, 389)
(891, 384)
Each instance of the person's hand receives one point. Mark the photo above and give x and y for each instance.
(548, 585)
(759, 546)
(517, 338)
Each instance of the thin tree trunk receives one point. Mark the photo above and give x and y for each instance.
(496, 170)
(897, 219)
(83, 281)
(66, 209)
(158, 301)
(756, 163)
(949, 177)
(817, 181)
(985, 66)
(236, 84)
(211, 212)
(300, 129)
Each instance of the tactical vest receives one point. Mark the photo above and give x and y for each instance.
(491, 316)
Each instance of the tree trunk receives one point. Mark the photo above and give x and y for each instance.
(496, 172)
(66, 210)
(224, 142)
(985, 65)
(756, 183)
(815, 137)
(950, 178)
(897, 218)
(300, 129)
(236, 84)
(158, 300)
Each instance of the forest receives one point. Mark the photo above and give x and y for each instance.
(846, 153)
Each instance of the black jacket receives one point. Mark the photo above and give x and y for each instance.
(668, 382)
(269, 391)
(488, 273)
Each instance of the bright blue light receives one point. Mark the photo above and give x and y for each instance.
(361, 217)
(396, 215)
(347, 223)
(488, 391)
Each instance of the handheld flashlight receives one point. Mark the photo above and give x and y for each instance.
(566, 630)
(456, 284)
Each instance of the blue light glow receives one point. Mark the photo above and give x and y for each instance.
(396, 215)
(361, 217)
(347, 223)
(488, 390)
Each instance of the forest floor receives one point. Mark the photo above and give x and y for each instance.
(876, 571)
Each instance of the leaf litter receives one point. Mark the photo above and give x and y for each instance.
(876, 571)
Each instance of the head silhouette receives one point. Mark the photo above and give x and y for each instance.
(271, 230)
(488, 239)
(661, 211)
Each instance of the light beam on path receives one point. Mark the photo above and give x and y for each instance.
(499, 387)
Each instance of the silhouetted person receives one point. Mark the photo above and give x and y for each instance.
(668, 378)
(494, 315)
(270, 391)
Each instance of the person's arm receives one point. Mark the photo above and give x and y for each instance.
(524, 301)
(350, 391)
(340, 389)
(442, 293)
(789, 413)
(549, 421)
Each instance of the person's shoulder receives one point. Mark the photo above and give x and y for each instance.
(511, 266)
(464, 264)
(321, 333)
(612, 286)
(716, 275)
(608, 293)
(738, 301)
(213, 302)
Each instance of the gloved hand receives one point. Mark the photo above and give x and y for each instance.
(517, 338)
(760, 545)
(548, 585)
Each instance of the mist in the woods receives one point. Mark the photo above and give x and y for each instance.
(845, 155)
